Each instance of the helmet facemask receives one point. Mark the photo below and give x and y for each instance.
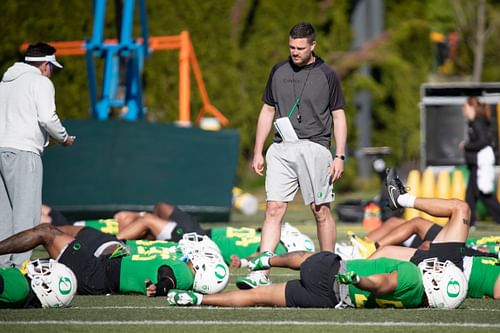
(194, 243)
(444, 283)
(53, 283)
(294, 240)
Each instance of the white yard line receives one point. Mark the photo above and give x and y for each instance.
(248, 323)
(215, 308)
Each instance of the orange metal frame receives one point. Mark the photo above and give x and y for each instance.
(187, 60)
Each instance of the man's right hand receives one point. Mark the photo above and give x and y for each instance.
(258, 164)
(150, 288)
(348, 278)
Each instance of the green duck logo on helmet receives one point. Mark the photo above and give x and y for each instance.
(211, 273)
(444, 283)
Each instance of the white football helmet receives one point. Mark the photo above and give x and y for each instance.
(211, 273)
(444, 283)
(294, 240)
(193, 242)
(53, 283)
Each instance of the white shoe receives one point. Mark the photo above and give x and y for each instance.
(345, 251)
(253, 280)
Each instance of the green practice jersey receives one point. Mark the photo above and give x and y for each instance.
(482, 273)
(108, 226)
(242, 242)
(490, 244)
(137, 268)
(408, 294)
(164, 249)
(15, 288)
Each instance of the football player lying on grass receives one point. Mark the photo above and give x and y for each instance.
(482, 270)
(174, 223)
(119, 272)
(327, 281)
(235, 244)
(447, 247)
(46, 283)
(168, 222)
(416, 233)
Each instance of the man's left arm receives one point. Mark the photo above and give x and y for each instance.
(378, 284)
(46, 110)
(340, 135)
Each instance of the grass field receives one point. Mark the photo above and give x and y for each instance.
(133, 313)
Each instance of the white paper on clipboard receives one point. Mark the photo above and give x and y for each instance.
(285, 129)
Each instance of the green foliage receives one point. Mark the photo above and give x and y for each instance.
(491, 71)
(402, 66)
(238, 41)
(461, 16)
(54, 20)
(441, 17)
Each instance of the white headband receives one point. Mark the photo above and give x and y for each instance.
(49, 58)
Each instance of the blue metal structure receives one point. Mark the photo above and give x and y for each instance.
(127, 55)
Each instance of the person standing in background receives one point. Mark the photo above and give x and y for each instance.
(27, 119)
(480, 159)
(304, 99)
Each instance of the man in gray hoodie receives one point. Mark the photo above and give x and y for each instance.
(27, 119)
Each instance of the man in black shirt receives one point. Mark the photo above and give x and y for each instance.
(304, 99)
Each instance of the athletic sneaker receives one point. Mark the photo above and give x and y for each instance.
(346, 251)
(394, 188)
(183, 297)
(253, 280)
(363, 247)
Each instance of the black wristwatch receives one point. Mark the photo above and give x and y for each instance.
(342, 157)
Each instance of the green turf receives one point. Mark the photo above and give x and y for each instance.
(131, 313)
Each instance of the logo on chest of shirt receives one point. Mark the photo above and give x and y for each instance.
(292, 81)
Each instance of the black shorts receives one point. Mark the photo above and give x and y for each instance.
(315, 287)
(452, 251)
(58, 219)
(93, 238)
(429, 236)
(96, 276)
(185, 224)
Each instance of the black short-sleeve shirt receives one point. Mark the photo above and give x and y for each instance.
(318, 91)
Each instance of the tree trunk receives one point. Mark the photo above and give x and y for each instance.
(479, 42)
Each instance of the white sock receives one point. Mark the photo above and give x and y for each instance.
(265, 261)
(200, 298)
(243, 263)
(407, 200)
(166, 232)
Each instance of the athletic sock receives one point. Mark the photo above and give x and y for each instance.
(265, 261)
(407, 200)
(199, 298)
(166, 232)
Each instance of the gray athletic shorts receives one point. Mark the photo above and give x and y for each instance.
(303, 163)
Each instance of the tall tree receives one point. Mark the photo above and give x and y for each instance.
(471, 17)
